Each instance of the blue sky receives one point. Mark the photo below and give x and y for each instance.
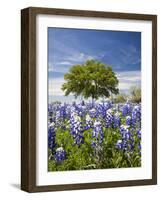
(121, 50)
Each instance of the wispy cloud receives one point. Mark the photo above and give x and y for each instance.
(55, 87)
(73, 58)
(128, 79)
(122, 57)
(57, 68)
(80, 57)
(63, 65)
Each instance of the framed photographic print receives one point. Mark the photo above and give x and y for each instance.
(88, 99)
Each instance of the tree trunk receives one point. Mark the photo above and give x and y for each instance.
(92, 100)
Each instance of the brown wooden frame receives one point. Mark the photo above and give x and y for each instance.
(28, 98)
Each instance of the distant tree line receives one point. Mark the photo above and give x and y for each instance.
(134, 96)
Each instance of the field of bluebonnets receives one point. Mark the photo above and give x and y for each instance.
(93, 135)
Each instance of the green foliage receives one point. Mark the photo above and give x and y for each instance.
(91, 79)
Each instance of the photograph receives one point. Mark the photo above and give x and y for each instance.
(88, 98)
(94, 99)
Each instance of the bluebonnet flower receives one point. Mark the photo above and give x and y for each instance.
(58, 119)
(77, 109)
(92, 113)
(89, 106)
(108, 118)
(76, 128)
(73, 110)
(108, 105)
(119, 144)
(94, 144)
(116, 120)
(60, 154)
(128, 120)
(89, 122)
(136, 116)
(62, 113)
(99, 110)
(68, 111)
(125, 133)
(126, 109)
(139, 133)
(51, 136)
(127, 142)
(50, 111)
(98, 131)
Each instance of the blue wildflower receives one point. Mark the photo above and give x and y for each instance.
(51, 136)
(126, 109)
(136, 116)
(108, 118)
(76, 128)
(116, 120)
(98, 131)
(92, 113)
(89, 122)
(127, 142)
(119, 144)
(128, 120)
(139, 133)
(94, 144)
(60, 154)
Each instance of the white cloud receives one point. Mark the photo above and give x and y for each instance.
(55, 85)
(64, 63)
(78, 57)
(58, 68)
(128, 79)
(68, 61)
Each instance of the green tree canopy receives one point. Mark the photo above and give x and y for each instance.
(91, 79)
